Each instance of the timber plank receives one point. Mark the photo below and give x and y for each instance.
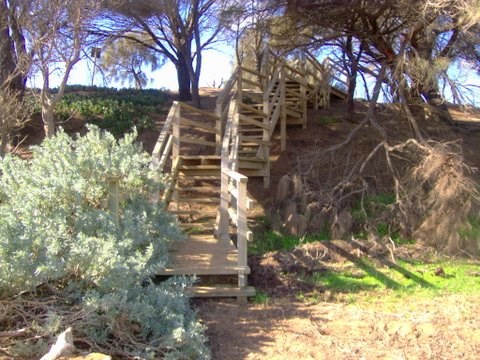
(222, 291)
(203, 255)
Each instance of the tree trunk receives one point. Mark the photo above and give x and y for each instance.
(439, 106)
(352, 84)
(352, 78)
(7, 64)
(3, 141)
(183, 77)
(47, 116)
(11, 75)
(195, 93)
(138, 80)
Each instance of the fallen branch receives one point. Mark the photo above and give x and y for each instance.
(63, 346)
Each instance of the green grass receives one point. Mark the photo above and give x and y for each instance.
(405, 279)
(327, 120)
(272, 241)
(261, 298)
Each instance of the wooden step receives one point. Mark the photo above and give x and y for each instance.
(197, 227)
(253, 140)
(250, 130)
(198, 167)
(194, 270)
(200, 160)
(245, 151)
(199, 177)
(293, 113)
(203, 255)
(251, 163)
(221, 291)
(338, 93)
(253, 172)
(199, 157)
(190, 170)
(212, 188)
(193, 212)
(200, 200)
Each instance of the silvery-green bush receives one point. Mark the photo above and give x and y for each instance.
(52, 224)
(54, 228)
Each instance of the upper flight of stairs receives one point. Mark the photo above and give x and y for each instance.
(208, 157)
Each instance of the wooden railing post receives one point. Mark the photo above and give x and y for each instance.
(176, 149)
(265, 68)
(113, 198)
(283, 115)
(236, 138)
(223, 219)
(242, 228)
(219, 128)
(222, 223)
(176, 132)
(303, 90)
(240, 85)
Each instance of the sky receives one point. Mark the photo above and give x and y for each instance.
(218, 66)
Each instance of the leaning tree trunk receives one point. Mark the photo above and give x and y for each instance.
(352, 78)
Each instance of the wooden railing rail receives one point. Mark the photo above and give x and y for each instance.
(253, 72)
(337, 68)
(163, 146)
(233, 193)
(223, 100)
(236, 193)
(229, 161)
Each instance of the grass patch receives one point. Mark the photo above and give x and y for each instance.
(266, 239)
(273, 241)
(404, 279)
(261, 298)
(327, 120)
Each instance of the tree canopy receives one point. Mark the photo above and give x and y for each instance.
(177, 29)
(416, 40)
(123, 60)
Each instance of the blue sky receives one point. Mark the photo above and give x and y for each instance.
(218, 66)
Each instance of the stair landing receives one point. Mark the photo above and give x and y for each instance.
(203, 255)
(206, 255)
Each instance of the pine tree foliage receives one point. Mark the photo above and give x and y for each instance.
(56, 232)
(123, 60)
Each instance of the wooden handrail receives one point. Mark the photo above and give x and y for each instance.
(164, 142)
(187, 122)
(253, 72)
(199, 111)
(226, 93)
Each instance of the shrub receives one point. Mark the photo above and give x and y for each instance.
(53, 230)
(114, 110)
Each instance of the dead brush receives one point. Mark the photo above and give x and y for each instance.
(434, 199)
(440, 189)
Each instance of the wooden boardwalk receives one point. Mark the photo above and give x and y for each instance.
(208, 157)
(204, 255)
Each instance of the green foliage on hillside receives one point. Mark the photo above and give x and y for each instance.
(114, 110)
(55, 232)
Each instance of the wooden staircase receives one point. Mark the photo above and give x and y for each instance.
(207, 158)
